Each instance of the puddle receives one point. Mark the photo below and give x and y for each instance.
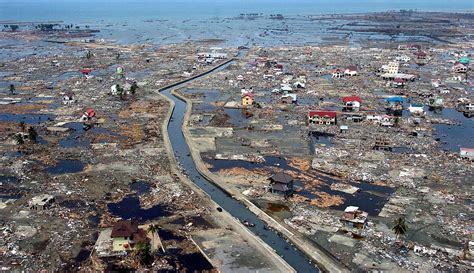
(26, 118)
(82, 255)
(452, 137)
(194, 262)
(205, 120)
(167, 235)
(77, 139)
(140, 187)
(320, 139)
(5, 86)
(129, 208)
(12, 196)
(94, 220)
(66, 166)
(73, 204)
(371, 199)
(8, 179)
(275, 207)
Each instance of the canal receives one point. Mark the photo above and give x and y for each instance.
(289, 253)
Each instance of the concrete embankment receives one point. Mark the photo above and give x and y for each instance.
(318, 255)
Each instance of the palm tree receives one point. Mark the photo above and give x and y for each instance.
(400, 227)
(19, 139)
(133, 88)
(89, 54)
(153, 229)
(142, 253)
(32, 134)
(12, 88)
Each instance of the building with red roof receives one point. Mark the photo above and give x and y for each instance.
(85, 71)
(322, 117)
(351, 70)
(247, 99)
(351, 102)
(88, 114)
(126, 234)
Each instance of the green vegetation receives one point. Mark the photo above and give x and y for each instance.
(133, 88)
(400, 227)
(142, 253)
(19, 139)
(46, 27)
(12, 27)
(32, 134)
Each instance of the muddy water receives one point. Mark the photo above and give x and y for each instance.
(129, 208)
(26, 118)
(66, 166)
(371, 199)
(456, 136)
(292, 256)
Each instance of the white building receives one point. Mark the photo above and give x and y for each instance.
(416, 108)
(403, 58)
(391, 68)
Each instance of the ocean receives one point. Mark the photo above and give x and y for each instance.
(88, 11)
(166, 21)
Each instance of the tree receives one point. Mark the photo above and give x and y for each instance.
(32, 134)
(121, 92)
(133, 88)
(153, 230)
(142, 252)
(12, 88)
(89, 54)
(19, 139)
(400, 227)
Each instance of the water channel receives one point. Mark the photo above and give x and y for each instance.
(289, 253)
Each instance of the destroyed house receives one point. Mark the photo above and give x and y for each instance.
(125, 234)
(351, 70)
(338, 73)
(420, 55)
(395, 103)
(354, 218)
(288, 99)
(41, 202)
(281, 183)
(322, 117)
(68, 98)
(382, 144)
(247, 99)
(460, 68)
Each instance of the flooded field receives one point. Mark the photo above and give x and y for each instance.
(371, 198)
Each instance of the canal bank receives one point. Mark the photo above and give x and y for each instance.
(226, 219)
